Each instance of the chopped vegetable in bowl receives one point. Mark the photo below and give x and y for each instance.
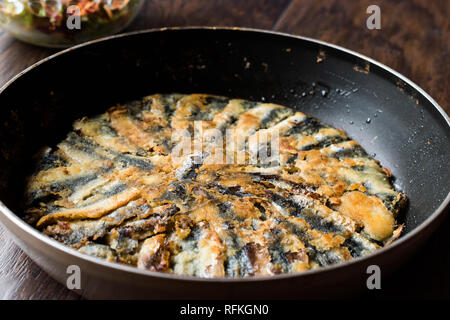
(62, 23)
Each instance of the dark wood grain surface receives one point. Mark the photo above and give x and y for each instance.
(414, 39)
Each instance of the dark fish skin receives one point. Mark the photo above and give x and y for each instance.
(112, 190)
(355, 151)
(295, 209)
(275, 116)
(76, 232)
(325, 143)
(211, 106)
(307, 127)
(125, 160)
(59, 186)
(49, 160)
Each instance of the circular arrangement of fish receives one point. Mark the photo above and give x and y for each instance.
(118, 188)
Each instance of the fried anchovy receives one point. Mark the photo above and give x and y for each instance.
(118, 188)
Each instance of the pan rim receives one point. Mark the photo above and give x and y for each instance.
(14, 219)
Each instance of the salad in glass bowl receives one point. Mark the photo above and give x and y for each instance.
(63, 23)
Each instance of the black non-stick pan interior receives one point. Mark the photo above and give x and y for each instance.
(391, 119)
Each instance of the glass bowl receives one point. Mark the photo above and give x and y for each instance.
(63, 23)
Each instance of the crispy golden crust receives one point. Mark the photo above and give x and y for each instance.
(115, 189)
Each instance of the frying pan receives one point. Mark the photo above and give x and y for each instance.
(390, 116)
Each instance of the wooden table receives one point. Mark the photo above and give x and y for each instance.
(414, 40)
